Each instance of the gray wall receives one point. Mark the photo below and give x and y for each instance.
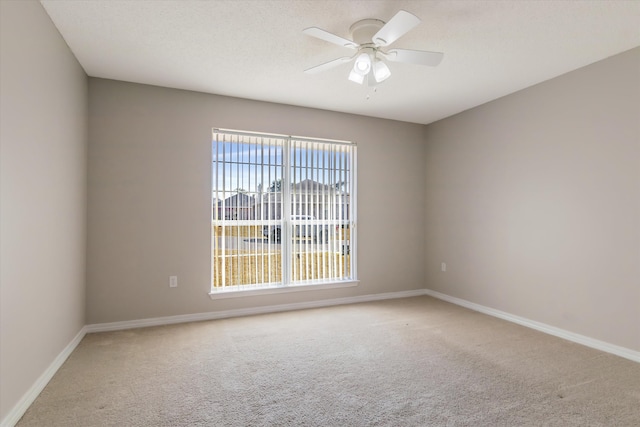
(43, 134)
(150, 189)
(533, 201)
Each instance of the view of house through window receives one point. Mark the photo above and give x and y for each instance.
(283, 211)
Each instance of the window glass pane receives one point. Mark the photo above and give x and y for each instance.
(320, 207)
(275, 228)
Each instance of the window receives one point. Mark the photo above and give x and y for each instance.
(283, 212)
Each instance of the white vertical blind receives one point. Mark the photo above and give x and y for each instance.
(283, 210)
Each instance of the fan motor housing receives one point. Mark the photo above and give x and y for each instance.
(363, 31)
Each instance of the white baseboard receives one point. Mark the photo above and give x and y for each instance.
(542, 327)
(27, 399)
(196, 317)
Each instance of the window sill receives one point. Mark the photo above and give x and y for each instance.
(249, 291)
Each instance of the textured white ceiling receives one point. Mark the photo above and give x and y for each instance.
(255, 49)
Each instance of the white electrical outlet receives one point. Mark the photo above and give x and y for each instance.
(173, 281)
(443, 266)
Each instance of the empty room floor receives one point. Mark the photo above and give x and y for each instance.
(412, 362)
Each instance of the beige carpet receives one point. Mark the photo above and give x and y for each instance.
(405, 362)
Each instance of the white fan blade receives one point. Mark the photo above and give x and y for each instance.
(329, 37)
(419, 57)
(328, 65)
(398, 26)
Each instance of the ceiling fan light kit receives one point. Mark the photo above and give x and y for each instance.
(380, 71)
(369, 37)
(356, 77)
(363, 64)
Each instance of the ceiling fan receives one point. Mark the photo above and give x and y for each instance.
(370, 38)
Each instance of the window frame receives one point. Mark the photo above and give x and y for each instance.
(287, 247)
